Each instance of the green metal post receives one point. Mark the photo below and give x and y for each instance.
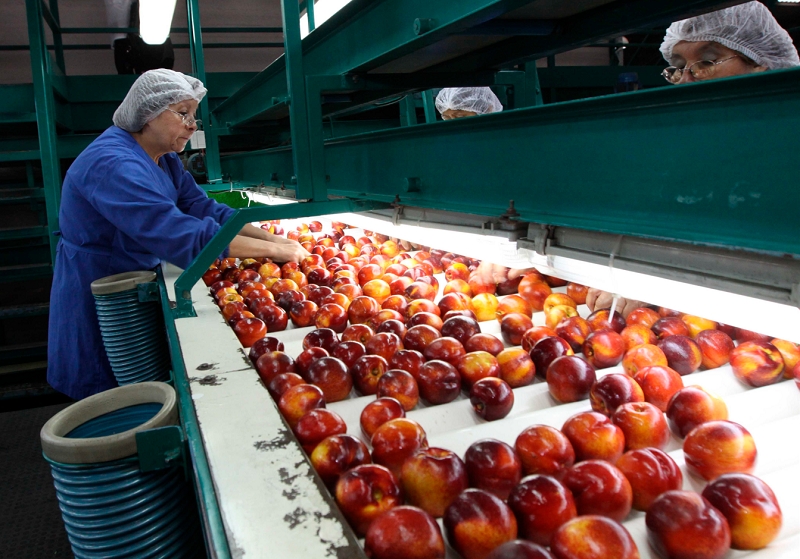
(310, 13)
(429, 104)
(533, 90)
(57, 36)
(316, 130)
(45, 119)
(214, 173)
(408, 111)
(298, 108)
(551, 64)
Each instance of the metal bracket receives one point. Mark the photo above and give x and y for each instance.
(537, 240)
(160, 448)
(397, 214)
(148, 292)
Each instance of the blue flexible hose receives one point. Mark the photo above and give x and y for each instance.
(113, 510)
(134, 338)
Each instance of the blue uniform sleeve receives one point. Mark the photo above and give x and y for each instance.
(132, 198)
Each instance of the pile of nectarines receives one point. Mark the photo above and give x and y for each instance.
(381, 328)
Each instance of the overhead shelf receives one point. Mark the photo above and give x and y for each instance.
(416, 36)
(635, 164)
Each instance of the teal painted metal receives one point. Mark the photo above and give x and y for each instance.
(190, 276)
(429, 106)
(210, 516)
(104, 30)
(92, 46)
(45, 118)
(9, 233)
(612, 19)
(621, 164)
(58, 42)
(298, 110)
(312, 24)
(160, 448)
(533, 89)
(364, 34)
(597, 76)
(23, 155)
(315, 161)
(199, 69)
(408, 111)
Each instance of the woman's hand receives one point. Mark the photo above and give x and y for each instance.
(597, 299)
(290, 251)
(494, 273)
(248, 247)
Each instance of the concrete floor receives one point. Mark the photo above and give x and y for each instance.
(30, 521)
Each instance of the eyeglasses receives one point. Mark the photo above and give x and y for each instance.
(700, 70)
(187, 119)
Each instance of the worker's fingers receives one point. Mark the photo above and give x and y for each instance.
(591, 298)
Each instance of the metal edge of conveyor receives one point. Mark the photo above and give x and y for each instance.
(211, 518)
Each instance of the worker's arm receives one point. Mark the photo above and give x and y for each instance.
(253, 232)
(244, 246)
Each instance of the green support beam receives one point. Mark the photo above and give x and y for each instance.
(193, 273)
(429, 105)
(45, 118)
(408, 111)
(58, 43)
(364, 35)
(367, 34)
(612, 19)
(709, 163)
(307, 186)
(213, 172)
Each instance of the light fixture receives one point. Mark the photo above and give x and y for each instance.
(747, 290)
(766, 317)
(155, 20)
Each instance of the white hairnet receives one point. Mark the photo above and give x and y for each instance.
(479, 100)
(749, 29)
(152, 93)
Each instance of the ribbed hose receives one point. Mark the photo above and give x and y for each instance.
(111, 509)
(134, 337)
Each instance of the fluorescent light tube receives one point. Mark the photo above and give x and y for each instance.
(155, 20)
(750, 313)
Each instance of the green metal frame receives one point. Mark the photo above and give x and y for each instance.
(193, 273)
(367, 34)
(588, 27)
(45, 118)
(213, 527)
(199, 70)
(623, 163)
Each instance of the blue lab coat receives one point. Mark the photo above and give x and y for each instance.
(120, 212)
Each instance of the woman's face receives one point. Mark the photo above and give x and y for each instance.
(686, 53)
(450, 114)
(167, 132)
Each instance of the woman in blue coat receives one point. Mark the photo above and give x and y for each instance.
(127, 204)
